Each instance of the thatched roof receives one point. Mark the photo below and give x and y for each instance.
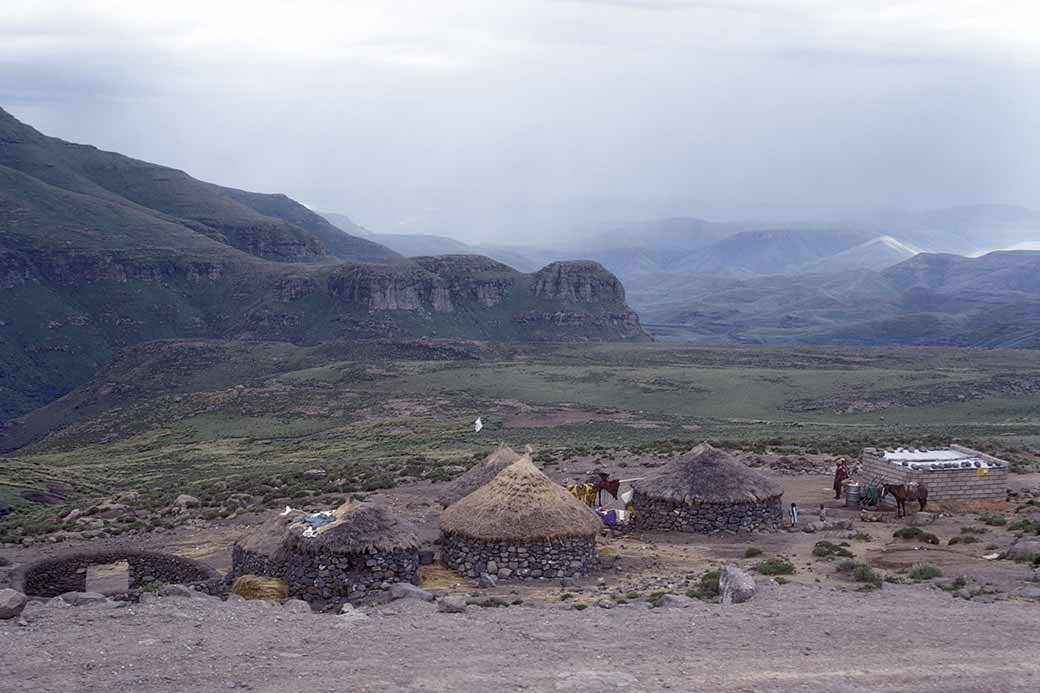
(478, 475)
(520, 505)
(357, 527)
(707, 475)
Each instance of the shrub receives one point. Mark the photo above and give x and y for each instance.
(775, 566)
(862, 536)
(974, 530)
(864, 573)
(916, 533)
(825, 549)
(707, 587)
(846, 566)
(752, 552)
(969, 539)
(925, 571)
(993, 519)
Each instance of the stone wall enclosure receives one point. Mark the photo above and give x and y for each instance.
(50, 577)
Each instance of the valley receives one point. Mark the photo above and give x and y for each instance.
(215, 419)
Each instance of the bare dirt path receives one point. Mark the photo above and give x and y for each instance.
(790, 638)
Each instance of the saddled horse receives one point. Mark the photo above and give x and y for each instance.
(914, 491)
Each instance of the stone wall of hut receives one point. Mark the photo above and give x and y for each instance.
(552, 558)
(706, 518)
(328, 578)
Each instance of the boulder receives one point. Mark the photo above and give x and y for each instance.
(674, 601)
(922, 518)
(349, 616)
(1024, 550)
(404, 590)
(1030, 592)
(829, 525)
(82, 598)
(181, 591)
(487, 580)
(184, 501)
(451, 605)
(735, 586)
(297, 606)
(425, 556)
(11, 603)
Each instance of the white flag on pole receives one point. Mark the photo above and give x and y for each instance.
(478, 425)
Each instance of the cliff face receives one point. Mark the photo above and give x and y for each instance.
(99, 252)
(578, 281)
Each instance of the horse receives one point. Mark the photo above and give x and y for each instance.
(914, 491)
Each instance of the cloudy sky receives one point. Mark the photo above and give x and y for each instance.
(514, 121)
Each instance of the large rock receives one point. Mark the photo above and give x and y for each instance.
(11, 603)
(82, 598)
(181, 591)
(296, 606)
(184, 501)
(1024, 550)
(487, 580)
(451, 605)
(735, 586)
(674, 601)
(404, 590)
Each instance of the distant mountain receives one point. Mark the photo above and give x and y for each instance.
(929, 299)
(99, 252)
(875, 254)
(964, 230)
(756, 253)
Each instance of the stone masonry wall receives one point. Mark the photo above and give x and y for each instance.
(552, 558)
(329, 579)
(943, 484)
(706, 518)
(51, 577)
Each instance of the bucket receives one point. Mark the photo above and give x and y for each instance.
(852, 495)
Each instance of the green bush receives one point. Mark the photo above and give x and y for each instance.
(864, 573)
(992, 519)
(775, 566)
(916, 533)
(846, 566)
(969, 539)
(925, 571)
(707, 587)
(825, 549)
(974, 530)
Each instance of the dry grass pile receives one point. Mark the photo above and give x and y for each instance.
(257, 587)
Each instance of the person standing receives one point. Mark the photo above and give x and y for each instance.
(841, 473)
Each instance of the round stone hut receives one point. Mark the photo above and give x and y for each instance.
(705, 491)
(362, 546)
(521, 525)
(478, 475)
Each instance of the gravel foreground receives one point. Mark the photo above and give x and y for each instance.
(790, 638)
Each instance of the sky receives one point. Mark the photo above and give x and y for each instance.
(515, 122)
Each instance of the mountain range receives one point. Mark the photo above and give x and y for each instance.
(99, 251)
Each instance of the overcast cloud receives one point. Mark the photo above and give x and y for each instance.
(514, 120)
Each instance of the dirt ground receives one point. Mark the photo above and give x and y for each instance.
(817, 632)
(789, 638)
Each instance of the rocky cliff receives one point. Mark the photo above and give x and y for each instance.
(99, 252)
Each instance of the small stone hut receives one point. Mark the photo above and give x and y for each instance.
(521, 525)
(705, 491)
(478, 475)
(363, 547)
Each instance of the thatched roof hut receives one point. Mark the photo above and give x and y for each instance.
(520, 505)
(478, 475)
(356, 528)
(363, 546)
(707, 475)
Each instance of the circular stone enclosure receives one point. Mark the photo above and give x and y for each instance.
(50, 577)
